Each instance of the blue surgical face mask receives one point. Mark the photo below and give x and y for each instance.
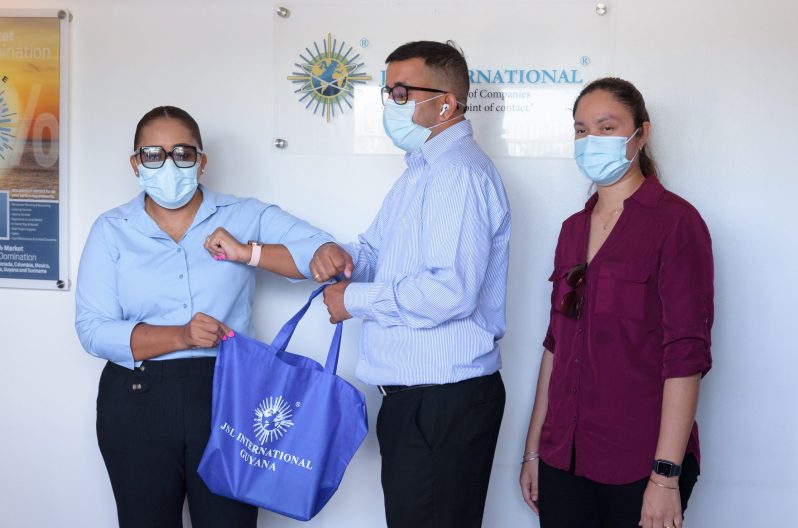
(169, 186)
(398, 123)
(602, 159)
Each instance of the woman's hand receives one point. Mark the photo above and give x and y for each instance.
(203, 331)
(662, 506)
(224, 246)
(529, 484)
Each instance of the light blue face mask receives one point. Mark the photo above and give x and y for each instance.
(602, 159)
(169, 186)
(398, 123)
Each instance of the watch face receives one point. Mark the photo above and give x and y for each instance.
(666, 469)
(663, 468)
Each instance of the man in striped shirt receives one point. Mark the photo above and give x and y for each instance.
(429, 282)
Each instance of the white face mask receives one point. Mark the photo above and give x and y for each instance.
(602, 159)
(169, 186)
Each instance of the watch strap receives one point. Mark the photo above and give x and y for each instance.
(254, 260)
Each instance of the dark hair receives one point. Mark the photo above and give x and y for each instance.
(442, 58)
(171, 112)
(629, 96)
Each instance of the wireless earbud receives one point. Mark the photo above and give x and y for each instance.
(444, 108)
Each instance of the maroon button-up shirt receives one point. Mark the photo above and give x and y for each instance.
(647, 315)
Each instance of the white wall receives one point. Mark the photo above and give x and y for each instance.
(719, 77)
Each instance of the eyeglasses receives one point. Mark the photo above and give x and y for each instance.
(153, 157)
(399, 92)
(571, 303)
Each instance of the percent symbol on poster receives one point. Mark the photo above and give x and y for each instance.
(15, 127)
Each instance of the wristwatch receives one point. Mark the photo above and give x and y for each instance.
(666, 468)
(255, 258)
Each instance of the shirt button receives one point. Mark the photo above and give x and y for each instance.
(576, 360)
(185, 305)
(179, 250)
(573, 389)
(579, 329)
(180, 276)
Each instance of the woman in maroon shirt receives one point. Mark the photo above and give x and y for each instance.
(612, 439)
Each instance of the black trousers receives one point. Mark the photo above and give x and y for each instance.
(569, 501)
(152, 427)
(437, 446)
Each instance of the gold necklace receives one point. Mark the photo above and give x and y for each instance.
(608, 219)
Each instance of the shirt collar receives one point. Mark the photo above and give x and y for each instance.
(134, 213)
(211, 201)
(435, 147)
(648, 194)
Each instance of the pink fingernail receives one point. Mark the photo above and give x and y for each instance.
(232, 334)
(222, 256)
(224, 338)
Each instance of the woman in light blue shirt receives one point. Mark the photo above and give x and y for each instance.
(162, 280)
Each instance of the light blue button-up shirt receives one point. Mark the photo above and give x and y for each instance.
(131, 272)
(430, 273)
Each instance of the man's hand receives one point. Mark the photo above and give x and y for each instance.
(224, 246)
(329, 261)
(334, 300)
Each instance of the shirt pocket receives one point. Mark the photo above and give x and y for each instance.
(621, 289)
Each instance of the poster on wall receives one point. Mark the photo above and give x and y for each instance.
(527, 63)
(33, 149)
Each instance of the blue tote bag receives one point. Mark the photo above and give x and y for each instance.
(283, 428)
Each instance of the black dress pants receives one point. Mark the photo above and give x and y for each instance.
(152, 426)
(570, 501)
(437, 446)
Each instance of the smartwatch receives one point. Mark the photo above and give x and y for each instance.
(666, 468)
(255, 258)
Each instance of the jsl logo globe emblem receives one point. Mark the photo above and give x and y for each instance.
(272, 419)
(328, 77)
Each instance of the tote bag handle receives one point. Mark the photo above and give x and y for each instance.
(283, 337)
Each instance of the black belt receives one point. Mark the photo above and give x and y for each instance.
(385, 390)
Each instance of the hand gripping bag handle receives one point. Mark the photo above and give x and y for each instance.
(280, 342)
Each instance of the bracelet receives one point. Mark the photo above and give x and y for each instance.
(662, 486)
(529, 459)
(530, 453)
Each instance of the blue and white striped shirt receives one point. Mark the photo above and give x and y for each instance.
(430, 273)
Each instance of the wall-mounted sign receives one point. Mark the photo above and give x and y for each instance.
(527, 63)
(33, 149)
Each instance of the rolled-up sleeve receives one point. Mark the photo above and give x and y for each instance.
(99, 319)
(299, 237)
(548, 341)
(686, 292)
